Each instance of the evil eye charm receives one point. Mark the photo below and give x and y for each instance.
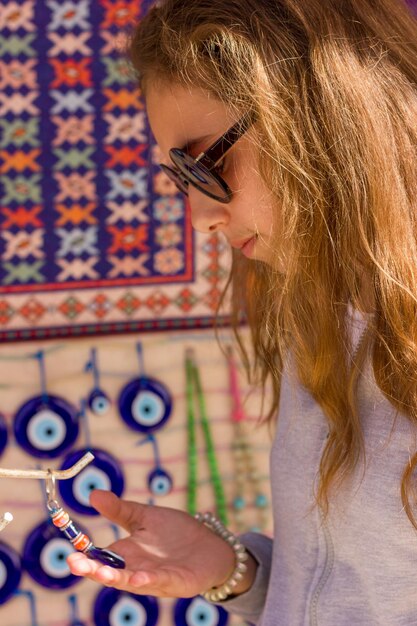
(98, 402)
(44, 557)
(3, 433)
(46, 428)
(104, 472)
(119, 608)
(10, 572)
(159, 482)
(197, 612)
(145, 404)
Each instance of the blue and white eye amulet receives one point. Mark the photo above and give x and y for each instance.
(159, 482)
(145, 404)
(46, 427)
(104, 472)
(98, 402)
(44, 557)
(119, 608)
(10, 571)
(197, 612)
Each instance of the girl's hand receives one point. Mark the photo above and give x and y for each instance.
(167, 553)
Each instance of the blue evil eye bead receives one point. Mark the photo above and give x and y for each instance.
(98, 402)
(10, 571)
(159, 482)
(44, 557)
(120, 608)
(46, 428)
(3, 433)
(197, 612)
(145, 404)
(104, 472)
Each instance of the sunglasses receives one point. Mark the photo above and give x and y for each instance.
(202, 171)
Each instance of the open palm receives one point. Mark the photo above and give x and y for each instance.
(167, 553)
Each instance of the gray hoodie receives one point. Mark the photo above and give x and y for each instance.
(359, 566)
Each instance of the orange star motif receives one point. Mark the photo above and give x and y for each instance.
(76, 214)
(120, 13)
(125, 156)
(21, 217)
(129, 238)
(19, 161)
(123, 99)
(71, 73)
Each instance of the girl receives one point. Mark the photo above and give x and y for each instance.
(292, 127)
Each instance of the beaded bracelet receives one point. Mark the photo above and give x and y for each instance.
(225, 590)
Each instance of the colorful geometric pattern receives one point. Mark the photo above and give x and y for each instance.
(93, 236)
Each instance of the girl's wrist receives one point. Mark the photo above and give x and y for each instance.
(243, 574)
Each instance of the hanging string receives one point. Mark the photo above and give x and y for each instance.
(191, 443)
(40, 356)
(32, 604)
(195, 393)
(139, 350)
(247, 478)
(85, 424)
(91, 366)
(75, 617)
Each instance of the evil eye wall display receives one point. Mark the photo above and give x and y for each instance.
(119, 608)
(159, 482)
(197, 612)
(104, 472)
(145, 404)
(98, 402)
(10, 571)
(44, 557)
(46, 426)
(3, 433)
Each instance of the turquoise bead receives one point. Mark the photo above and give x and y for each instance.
(261, 501)
(239, 503)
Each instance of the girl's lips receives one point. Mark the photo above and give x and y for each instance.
(248, 247)
(245, 245)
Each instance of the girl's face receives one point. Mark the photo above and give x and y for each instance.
(190, 119)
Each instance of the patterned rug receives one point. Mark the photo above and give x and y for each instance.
(94, 238)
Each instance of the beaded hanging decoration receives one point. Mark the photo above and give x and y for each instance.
(195, 397)
(247, 479)
(80, 541)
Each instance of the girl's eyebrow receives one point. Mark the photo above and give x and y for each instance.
(195, 142)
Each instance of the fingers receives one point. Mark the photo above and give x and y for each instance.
(80, 565)
(125, 579)
(126, 514)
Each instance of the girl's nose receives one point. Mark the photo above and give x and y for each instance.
(207, 215)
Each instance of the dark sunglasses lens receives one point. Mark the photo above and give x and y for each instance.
(181, 184)
(199, 176)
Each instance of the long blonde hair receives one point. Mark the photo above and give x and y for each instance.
(334, 89)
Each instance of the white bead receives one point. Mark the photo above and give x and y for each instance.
(221, 593)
